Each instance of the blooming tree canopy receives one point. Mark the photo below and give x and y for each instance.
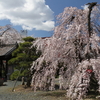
(73, 48)
(9, 35)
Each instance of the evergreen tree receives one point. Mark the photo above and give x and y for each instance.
(23, 57)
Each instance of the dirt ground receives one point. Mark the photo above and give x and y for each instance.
(20, 93)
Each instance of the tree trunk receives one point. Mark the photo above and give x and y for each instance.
(91, 5)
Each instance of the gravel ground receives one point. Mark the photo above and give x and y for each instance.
(26, 94)
(7, 94)
(9, 84)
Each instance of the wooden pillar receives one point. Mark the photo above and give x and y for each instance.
(1, 68)
(6, 70)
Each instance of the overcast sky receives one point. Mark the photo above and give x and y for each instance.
(36, 16)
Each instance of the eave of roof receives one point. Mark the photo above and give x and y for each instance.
(7, 49)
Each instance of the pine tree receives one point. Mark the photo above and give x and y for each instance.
(23, 57)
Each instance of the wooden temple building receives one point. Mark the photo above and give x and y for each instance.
(6, 54)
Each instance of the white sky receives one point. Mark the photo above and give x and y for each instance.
(30, 14)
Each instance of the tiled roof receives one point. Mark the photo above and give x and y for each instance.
(7, 49)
